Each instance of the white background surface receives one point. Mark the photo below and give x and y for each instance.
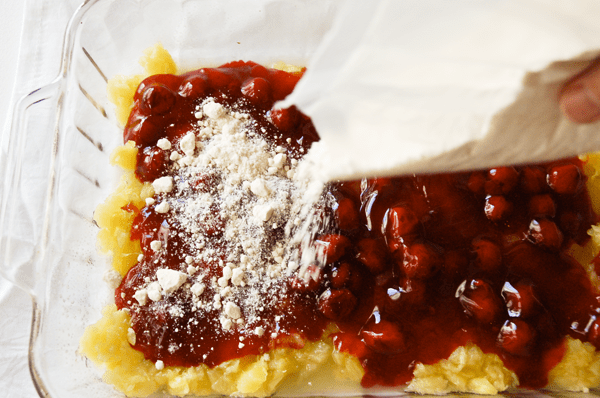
(11, 22)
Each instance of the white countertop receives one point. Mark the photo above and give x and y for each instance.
(11, 23)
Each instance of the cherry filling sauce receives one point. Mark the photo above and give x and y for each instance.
(164, 107)
(414, 266)
(429, 263)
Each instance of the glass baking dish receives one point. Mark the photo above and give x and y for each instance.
(57, 170)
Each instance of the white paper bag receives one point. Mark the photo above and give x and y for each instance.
(417, 86)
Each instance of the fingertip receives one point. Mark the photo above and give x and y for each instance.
(579, 104)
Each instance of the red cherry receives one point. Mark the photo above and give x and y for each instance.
(311, 280)
(239, 64)
(533, 179)
(330, 248)
(351, 189)
(565, 179)
(407, 294)
(420, 260)
(157, 99)
(593, 333)
(306, 133)
(346, 275)
(283, 83)
(285, 119)
(340, 275)
(384, 337)
(257, 90)
(515, 337)
(176, 132)
(501, 180)
(218, 78)
(172, 82)
(400, 221)
(488, 255)
(476, 182)
(379, 184)
(337, 304)
(346, 215)
(259, 71)
(396, 247)
(520, 300)
(146, 227)
(194, 86)
(144, 130)
(545, 233)
(497, 208)
(372, 253)
(541, 206)
(132, 127)
(479, 301)
(151, 163)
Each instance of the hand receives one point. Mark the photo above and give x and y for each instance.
(579, 99)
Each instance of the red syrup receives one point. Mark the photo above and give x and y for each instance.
(416, 266)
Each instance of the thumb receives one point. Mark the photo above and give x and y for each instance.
(579, 99)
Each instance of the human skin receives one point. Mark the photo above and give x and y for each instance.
(579, 99)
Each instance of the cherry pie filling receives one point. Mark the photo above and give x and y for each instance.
(415, 266)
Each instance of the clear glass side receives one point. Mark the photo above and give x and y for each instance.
(65, 298)
(22, 211)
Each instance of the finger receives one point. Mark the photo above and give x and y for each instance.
(579, 100)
